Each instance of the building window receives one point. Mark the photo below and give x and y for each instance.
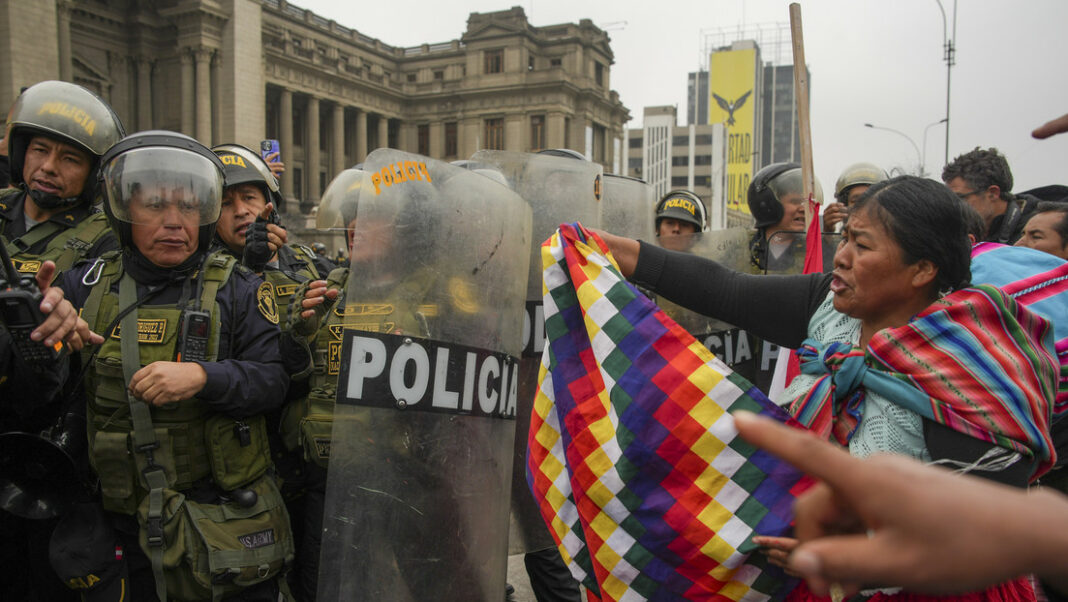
(298, 129)
(598, 73)
(451, 142)
(600, 152)
(411, 78)
(635, 142)
(702, 139)
(678, 161)
(322, 181)
(494, 61)
(567, 132)
(555, 62)
(705, 181)
(494, 134)
(439, 75)
(424, 140)
(537, 132)
(298, 181)
(702, 160)
(679, 181)
(635, 163)
(680, 140)
(530, 63)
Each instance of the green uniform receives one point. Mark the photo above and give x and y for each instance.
(66, 238)
(211, 517)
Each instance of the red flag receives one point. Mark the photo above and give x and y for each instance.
(813, 264)
(813, 240)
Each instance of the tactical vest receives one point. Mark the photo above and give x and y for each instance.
(308, 422)
(66, 247)
(196, 446)
(283, 281)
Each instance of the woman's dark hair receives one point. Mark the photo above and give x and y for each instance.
(925, 220)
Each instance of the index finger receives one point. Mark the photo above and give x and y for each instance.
(800, 448)
(1056, 126)
(267, 209)
(44, 275)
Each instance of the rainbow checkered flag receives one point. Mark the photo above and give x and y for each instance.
(632, 453)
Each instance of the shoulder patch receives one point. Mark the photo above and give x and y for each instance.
(265, 302)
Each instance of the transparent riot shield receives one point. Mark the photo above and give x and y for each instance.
(785, 252)
(427, 361)
(559, 190)
(627, 207)
(743, 352)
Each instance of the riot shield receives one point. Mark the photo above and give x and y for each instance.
(559, 190)
(627, 207)
(785, 252)
(743, 352)
(427, 361)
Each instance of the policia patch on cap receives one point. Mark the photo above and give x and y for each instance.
(265, 302)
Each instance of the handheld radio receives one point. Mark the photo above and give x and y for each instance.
(20, 311)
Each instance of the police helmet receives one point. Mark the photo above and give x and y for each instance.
(70, 114)
(338, 206)
(319, 248)
(684, 206)
(763, 199)
(566, 153)
(148, 167)
(242, 166)
(856, 174)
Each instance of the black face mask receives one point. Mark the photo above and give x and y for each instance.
(145, 272)
(51, 201)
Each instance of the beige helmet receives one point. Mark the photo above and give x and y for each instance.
(857, 173)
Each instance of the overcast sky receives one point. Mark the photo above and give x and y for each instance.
(871, 61)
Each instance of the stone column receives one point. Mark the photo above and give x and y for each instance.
(338, 155)
(361, 137)
(144, 94)
(203, 94)
(188, 95)
(437, 140)
(311, 152)
(554, 131)
(383, 131)
(66, 70)
(285, 141)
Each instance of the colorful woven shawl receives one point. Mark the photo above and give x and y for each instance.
(1037, 280)
(632, 453)
(974, 361)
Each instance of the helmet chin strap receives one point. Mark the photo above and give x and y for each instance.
(51, 201)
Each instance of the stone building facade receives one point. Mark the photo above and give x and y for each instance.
(245, 70)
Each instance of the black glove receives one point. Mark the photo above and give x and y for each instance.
(257, 251)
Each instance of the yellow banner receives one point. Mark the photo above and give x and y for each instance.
(731, 82)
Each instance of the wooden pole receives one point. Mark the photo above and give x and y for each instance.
(801, 97)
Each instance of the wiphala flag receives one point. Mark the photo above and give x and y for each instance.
(633, 455)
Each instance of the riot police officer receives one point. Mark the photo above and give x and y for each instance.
(177, 391)
(57, 133)
(853, 182)
(248, 229)
(680, 216)
(777, 203)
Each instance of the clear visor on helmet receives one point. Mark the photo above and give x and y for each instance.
(147, 185)
(790, 182)
(338, 206)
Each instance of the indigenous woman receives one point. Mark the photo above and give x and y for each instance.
(898, 354)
